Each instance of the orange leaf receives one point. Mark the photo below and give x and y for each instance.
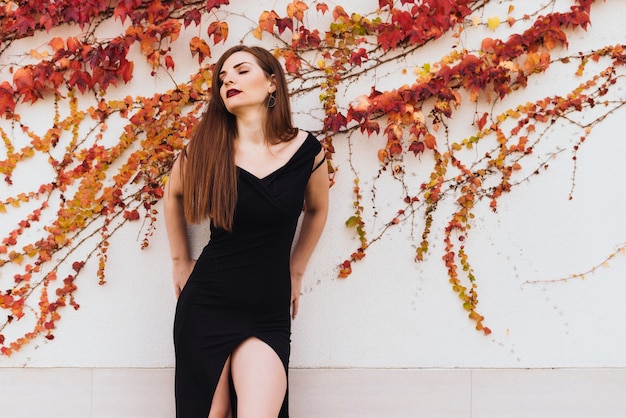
(430, 141)
(296, 10)
(219, 31)
(56, 43)
(267, 20)
(322, 7)
(199, 46)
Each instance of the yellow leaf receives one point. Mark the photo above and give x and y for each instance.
(493, 22)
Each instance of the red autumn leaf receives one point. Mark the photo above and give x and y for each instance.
(285, 23)
(7, 104)
(121, 11)
(345, 269)
(334, 122)
(292, 62)
(23, 24)
(322, 7)
(192, 15)
(215, 4)
(169, 62)
(357, 57)
(370, 126)
(78, 265)
(126, 71)
(395, 148)
(219, 31)
(131, 215)
(482, 121)
(416, 147)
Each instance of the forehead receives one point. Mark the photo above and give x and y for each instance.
(237, 58)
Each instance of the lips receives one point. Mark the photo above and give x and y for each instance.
(232, 92)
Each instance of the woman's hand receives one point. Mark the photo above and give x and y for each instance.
(296, 289)
(180, 272)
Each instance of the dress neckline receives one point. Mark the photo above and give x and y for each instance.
(268, 175)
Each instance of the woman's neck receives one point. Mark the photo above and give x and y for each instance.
(251, 130)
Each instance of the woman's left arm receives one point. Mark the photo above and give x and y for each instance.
(313, 221)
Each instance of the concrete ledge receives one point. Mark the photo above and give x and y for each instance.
(331, 393)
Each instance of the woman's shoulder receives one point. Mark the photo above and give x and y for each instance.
(309, 140)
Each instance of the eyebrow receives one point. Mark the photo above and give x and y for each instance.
(234, 67)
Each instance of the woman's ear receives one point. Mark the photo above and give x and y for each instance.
(272, 86)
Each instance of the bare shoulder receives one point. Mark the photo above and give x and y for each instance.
(174, 181)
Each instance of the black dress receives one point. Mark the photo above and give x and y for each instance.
(240, 286)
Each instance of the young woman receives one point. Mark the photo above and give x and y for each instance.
(250, 172)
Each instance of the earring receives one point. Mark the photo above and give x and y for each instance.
(271, 101)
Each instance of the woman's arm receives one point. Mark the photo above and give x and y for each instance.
(176, 226)
(313, 221)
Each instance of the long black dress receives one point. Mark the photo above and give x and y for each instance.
(240, 286)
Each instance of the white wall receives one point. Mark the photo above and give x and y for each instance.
(393, 312)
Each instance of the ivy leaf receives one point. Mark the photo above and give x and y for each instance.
(334, 122)
(493, 22)
(131, 215)
(199, 47)
(7, 104)
(292, 62)
(192, 15)
(296, 10)
(219, 31)
(482, 121)
(417, 147)
(25, 84)
(356, 57)
(322, 7)
(215, 4)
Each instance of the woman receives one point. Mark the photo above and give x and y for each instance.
(250, 172)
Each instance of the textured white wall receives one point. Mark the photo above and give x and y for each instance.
(392, 312)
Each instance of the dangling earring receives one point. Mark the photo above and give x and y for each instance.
(271, 101)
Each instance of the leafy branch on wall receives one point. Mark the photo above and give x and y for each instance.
(95, 179)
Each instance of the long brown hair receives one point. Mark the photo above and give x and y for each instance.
(209, 172)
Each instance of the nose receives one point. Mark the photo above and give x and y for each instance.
(227, 80)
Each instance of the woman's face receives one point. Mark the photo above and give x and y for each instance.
(243, 84)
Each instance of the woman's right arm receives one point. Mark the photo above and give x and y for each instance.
(176, 226)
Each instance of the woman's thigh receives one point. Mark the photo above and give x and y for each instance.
(260, 379)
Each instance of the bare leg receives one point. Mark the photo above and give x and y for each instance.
(220, 407)
(259, 378)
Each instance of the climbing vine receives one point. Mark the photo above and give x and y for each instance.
(103, 156)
